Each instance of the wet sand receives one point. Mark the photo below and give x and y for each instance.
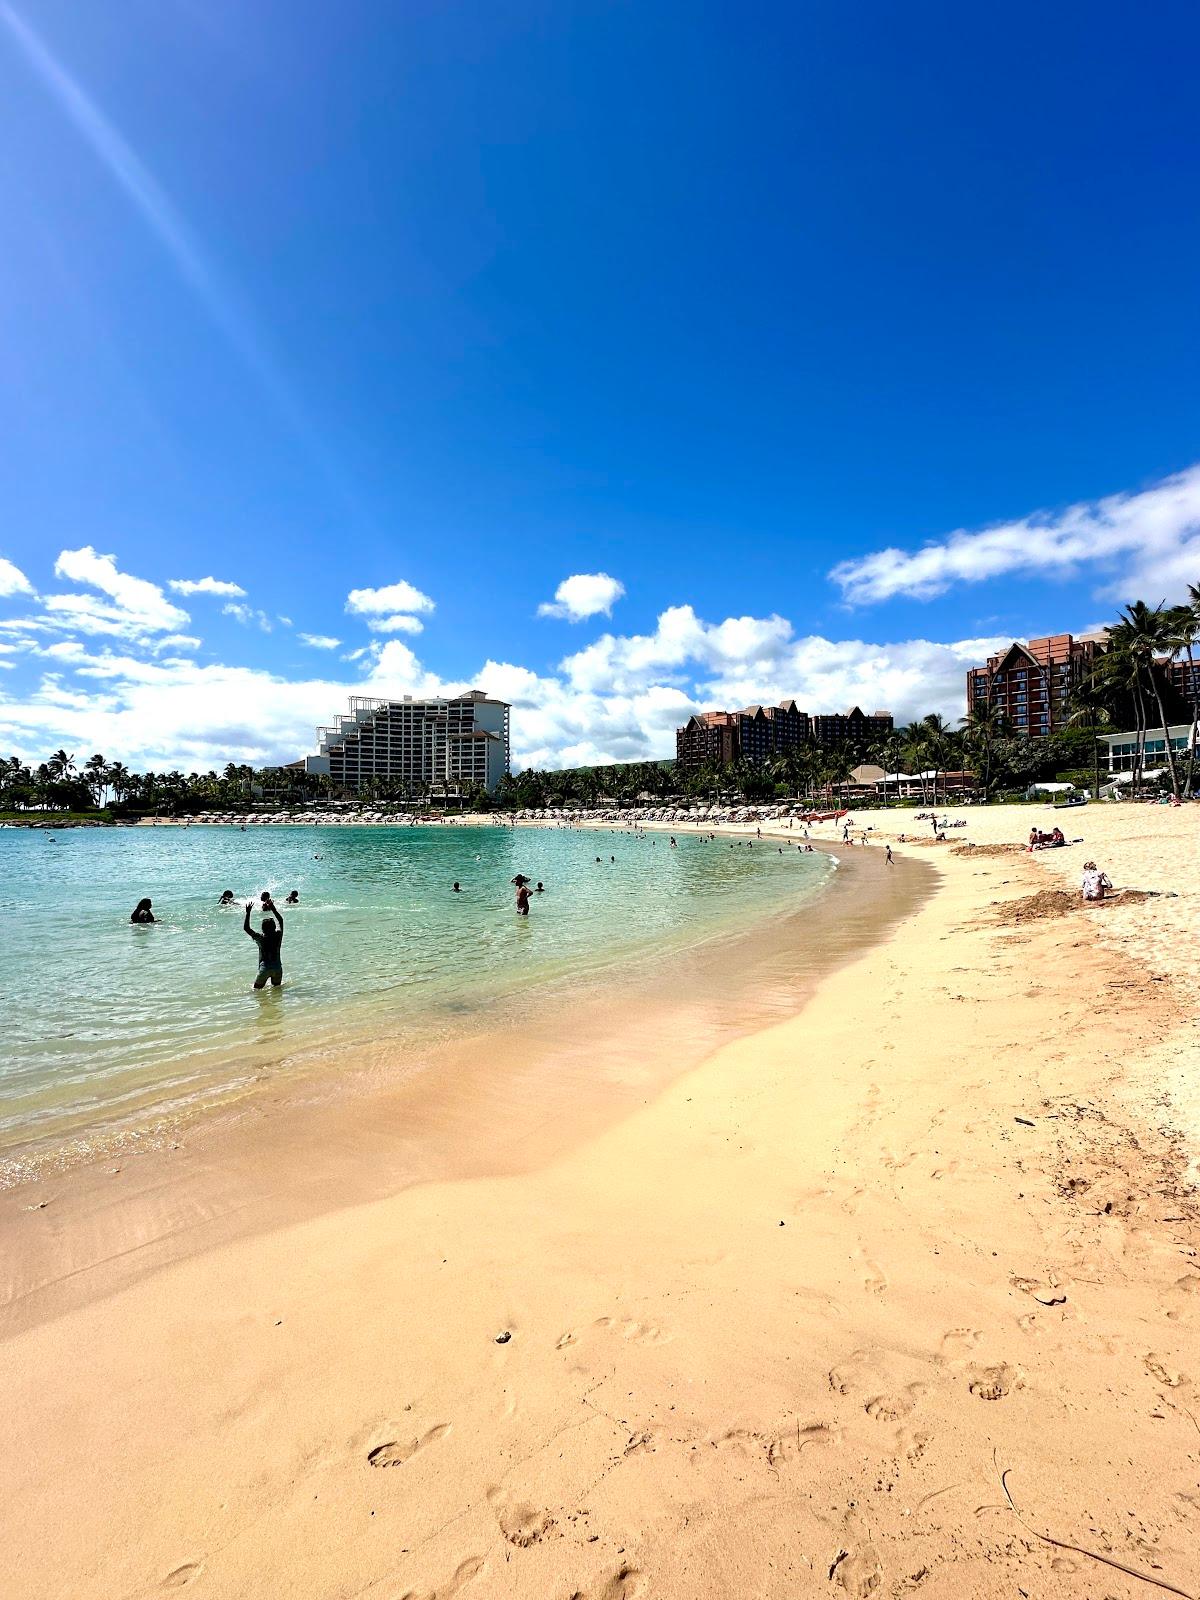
(898, 1294)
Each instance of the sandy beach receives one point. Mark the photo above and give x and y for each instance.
(898, 1294)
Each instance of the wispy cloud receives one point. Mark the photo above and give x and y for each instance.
(135, 606)
(248, 616)
(1148, 542)
(319, 641)
(187, 586)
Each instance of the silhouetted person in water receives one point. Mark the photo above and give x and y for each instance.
(269, 942)
(142, 912)
(293, 898)
(226, 897)
(457, 888)
(522, 900)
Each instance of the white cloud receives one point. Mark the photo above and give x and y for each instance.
(319, 641)
(397, 624)
(135, 607)
(187, 586)
(248, 616)
(1147, 544)
(618, 700)
(584, 594)
(392, 598)
(12, 579)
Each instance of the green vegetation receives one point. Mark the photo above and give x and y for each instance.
(1124, 688)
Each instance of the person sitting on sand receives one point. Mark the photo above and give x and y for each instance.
(1096, 884)
(268, 941)
(522, 900)
(1057, 840)
(226, 897)
(142, 912)
(293, 898)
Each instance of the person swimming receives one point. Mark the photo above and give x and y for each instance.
(293, 898)
(142, 912)
(226, 897)
(457, 887)
(269, 942)
(541, 888)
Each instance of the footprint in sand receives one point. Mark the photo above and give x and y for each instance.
(992, 1383)
(958, 1342)
(635, 1332)
(891, 1407)
(463, 1573)
(911, 1445)
(874, 1278)
(859, 1571)
(858, 1371)
(521, 1523)
(788, 1446)
(1158, 1367)
(396, 1452)
(182, 1575)
(624, 1584)
(1185, 1293)
(569, 1338)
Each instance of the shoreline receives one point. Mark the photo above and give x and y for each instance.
(775, 1329)
(265, 1152)
(215, 1068)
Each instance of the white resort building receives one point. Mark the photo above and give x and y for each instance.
(1123, 748)
(432, 746)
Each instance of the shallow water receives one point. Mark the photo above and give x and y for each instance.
(103, 1019)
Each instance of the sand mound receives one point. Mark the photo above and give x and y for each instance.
(1059, 902)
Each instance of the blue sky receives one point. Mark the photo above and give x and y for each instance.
(843, 341)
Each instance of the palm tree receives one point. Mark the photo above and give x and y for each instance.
(118, 779)
(914, 741)
(982, 726)
(1187, 627)
(95, 770)
(1143, 633)
(60, 765)
(1089, 709)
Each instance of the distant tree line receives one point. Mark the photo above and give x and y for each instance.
(1124, 687)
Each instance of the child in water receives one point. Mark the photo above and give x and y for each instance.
(142, 912)
(269, 942)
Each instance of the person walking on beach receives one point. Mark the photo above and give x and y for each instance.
(888, 857)
(269, 942)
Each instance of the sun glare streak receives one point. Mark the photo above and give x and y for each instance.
(169, 227)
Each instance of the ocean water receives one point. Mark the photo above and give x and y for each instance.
(104, 1021)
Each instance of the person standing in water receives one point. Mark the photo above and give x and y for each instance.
(142, 912)
(522, 900)
(269, 942)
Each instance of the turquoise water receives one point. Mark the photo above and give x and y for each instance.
(103, 1019)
